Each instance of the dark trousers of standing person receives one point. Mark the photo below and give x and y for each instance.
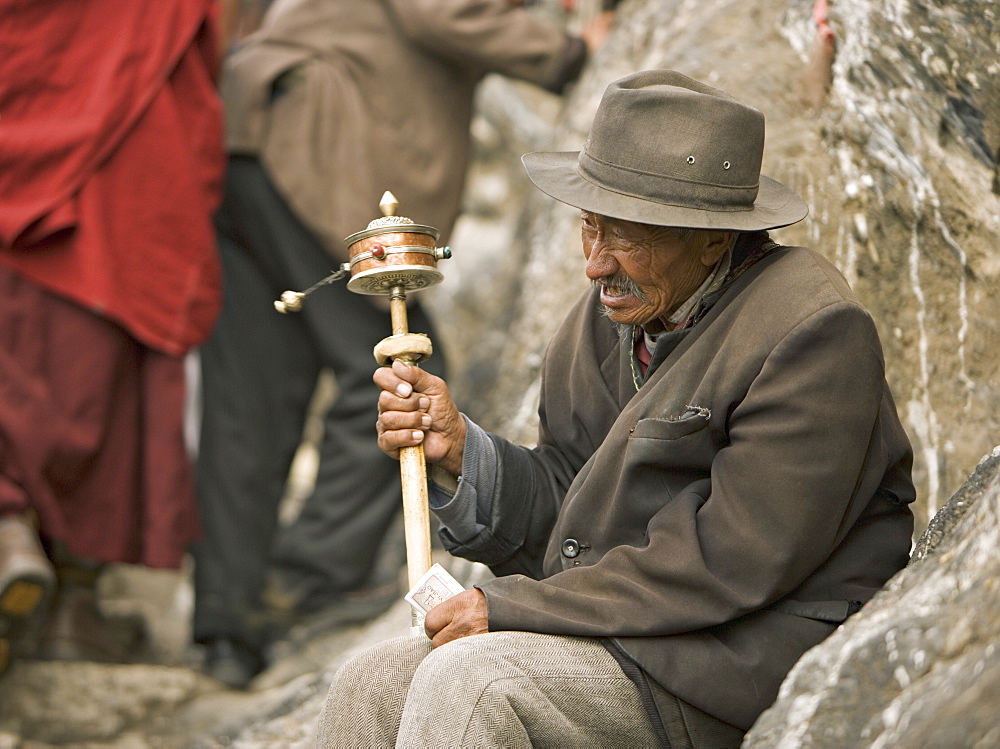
(259, 370)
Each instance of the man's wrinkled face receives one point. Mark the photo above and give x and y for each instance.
(645, 272)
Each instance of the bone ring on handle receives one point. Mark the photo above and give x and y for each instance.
(409, 347)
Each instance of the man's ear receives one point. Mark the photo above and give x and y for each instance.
(714, 246)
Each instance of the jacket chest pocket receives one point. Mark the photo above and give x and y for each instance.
(669, 453)
(638, 471)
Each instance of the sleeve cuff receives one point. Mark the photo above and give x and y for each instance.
(464, 505)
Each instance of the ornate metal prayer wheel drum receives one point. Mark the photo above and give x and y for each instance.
(393, 252)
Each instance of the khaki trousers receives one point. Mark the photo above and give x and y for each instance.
(500, 689)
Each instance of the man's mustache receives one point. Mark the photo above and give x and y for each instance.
(621, 284)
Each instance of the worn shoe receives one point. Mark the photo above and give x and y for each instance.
(27, 582)
(231, 662)
(79, 631)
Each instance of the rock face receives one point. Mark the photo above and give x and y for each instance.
(898, 165)
(914, 124)
(919, 666)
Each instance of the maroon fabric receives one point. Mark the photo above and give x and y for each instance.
(642, 353)
(91, 431)
(111, 145)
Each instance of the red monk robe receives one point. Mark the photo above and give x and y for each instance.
(110, 169)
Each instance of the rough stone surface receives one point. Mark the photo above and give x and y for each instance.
(944, 522)
(919, 666)
(59, 703)
(165, 702)
(898, 166)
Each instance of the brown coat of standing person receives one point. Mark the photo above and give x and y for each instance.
(720, 478)
(328, 105)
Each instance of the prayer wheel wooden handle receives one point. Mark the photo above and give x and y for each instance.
(416, 512)
(410, 348)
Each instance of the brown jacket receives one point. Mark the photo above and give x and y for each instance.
(345, 99)
(721, 520)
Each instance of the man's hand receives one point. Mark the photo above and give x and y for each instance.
(460, 616)
(597, 30)
(415, 408)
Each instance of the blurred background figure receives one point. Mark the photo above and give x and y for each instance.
(328, 105)
(111, 145)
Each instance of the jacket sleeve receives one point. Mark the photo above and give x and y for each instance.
(493, 36)
(519, 490)
(514, 495)
(783, 491)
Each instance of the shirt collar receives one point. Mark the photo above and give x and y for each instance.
(682, 313)
(710, 284)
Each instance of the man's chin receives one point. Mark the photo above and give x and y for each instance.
(623, 318)
(617, 315)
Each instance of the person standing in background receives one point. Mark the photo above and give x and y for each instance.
(329, 104)
(111, 145)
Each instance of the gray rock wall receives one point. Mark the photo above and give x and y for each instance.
(898, 166)
(914, 124)
(919, 666)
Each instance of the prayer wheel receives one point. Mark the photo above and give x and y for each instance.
(394, 252)
(391, 257)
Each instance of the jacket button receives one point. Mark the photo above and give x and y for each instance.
(570, 548)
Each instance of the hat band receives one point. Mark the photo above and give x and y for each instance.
(665, 190)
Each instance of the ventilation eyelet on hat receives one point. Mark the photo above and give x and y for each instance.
(690, 159)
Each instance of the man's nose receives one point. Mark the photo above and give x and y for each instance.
(600, 263)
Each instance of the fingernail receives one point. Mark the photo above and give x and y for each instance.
(418, 436)
(425, 402)
(425, 420)
(404, 389)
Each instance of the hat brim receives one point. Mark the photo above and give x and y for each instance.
(557, 174)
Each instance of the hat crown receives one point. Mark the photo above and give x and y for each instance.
(665, 149)
(662, 136)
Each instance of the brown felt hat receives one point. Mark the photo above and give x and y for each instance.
(667, 150)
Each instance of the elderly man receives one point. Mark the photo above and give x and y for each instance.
(720, 478)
